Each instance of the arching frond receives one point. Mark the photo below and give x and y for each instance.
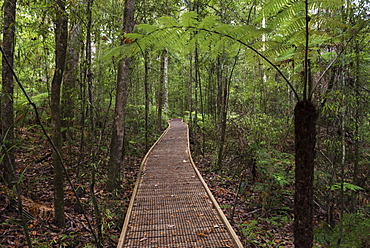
(189, 19)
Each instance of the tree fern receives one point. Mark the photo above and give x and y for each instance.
(209, 33)
(287, 18)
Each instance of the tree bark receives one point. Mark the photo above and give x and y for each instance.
(61, 39)
(7, 101)
(305, 115)
(118, 133)
(70, 78)
(165, 79)
(88, 70)
(160, 92)
(146, 94)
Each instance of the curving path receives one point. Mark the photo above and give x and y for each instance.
(171, 205)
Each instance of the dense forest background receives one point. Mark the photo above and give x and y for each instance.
(87, 87)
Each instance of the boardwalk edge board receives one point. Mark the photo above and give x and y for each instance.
(132, 200)
(121, 242)
(214, 201)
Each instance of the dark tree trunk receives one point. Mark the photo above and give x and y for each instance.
(146, 93)
(118, 133)
(305, 115)
(61, 39)
(223, 125)
(160, 93)
(7, 102)
(88, 75)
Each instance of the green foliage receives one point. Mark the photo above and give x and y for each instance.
(135, 129)
(346, 186)
(256, 233)
(188, 31)
(356, 229)
(260, 107)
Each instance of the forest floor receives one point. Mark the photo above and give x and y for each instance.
(256, 224)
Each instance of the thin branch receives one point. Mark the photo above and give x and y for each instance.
(334, 60)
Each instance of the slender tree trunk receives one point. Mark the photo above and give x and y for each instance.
(160, 92)
(61, 39)
(199, 86)
(219, 70)
(165, 79)
(190, 104)
(146, 93)
(357, 126)
(224, 110)
(223, 126)
(305, 115)
(118, 133)
(88, 71)
(7, 102)
(70, 78)
(343, 157)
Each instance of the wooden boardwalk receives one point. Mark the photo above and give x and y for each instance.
(171, 205)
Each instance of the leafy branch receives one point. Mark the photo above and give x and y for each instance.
(172, 32)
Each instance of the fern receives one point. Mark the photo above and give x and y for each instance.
(209, 34)
(189, 19)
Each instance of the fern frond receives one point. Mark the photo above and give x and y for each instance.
(247, 33)
(291, 26)
(208, 22)
(146, 28)
(281, 8)
(189, 19)
(168, 21)
(326, 4)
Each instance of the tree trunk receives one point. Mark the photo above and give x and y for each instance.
(61, 40)
(160, 93)
(146, 94)
(7, 102)
(118, 133)
(223, 120)
(190, 105)
(305, 115)
(220, 68)
(165, 79)
(88, 75)
(70, 78)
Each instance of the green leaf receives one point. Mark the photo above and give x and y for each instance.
(147, 28)
(208, 22)
(189, 19)
(346, 186)
(168, 21)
